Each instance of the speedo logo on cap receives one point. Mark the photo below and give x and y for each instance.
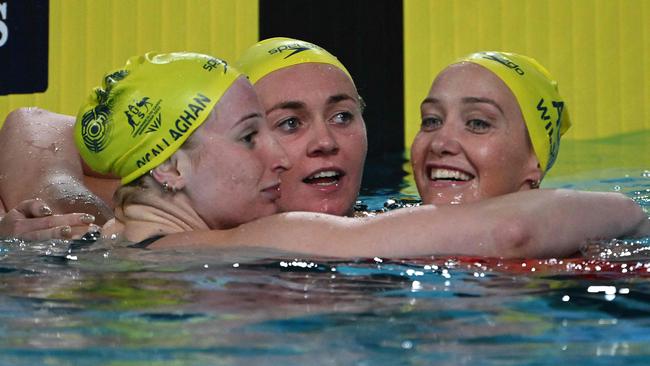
(293, 48)
(504, 61)
(214, 63)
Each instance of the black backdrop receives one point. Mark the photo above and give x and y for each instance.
(23, 46)
(367, 37)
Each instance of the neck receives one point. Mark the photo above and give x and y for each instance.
(155, 213)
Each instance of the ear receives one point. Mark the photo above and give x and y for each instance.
(172, 173)
(532, 174)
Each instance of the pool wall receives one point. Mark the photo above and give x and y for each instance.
(599, 51)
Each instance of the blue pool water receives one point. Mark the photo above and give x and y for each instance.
(134, 307)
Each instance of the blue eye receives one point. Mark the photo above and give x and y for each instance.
(289, 125)
(478, 125)
(430, 123)
(342, 118)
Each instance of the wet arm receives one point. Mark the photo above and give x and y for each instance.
(38, 159)
(540, 223)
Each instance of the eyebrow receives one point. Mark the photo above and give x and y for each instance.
(472, 100)
(294, 104)
(430, 101)
(466, 100)
(291, 104)
(340, 97)
(247, 117)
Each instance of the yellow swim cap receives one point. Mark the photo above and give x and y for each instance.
(145, 111)
(544, 111)
(277, 53)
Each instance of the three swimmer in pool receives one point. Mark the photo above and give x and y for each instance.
(512, 225)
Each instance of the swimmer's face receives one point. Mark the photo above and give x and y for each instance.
(314, 111)
(235, 168)
(473, 143)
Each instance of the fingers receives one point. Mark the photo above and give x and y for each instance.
(75, 219)
(78, 232)
(60, 232)
(33, 220)
(48, 227)
(32, 208)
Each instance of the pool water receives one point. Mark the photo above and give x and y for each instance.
(138, 307)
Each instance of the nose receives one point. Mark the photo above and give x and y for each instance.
(277, 156)
(445, 141)
(322, 141)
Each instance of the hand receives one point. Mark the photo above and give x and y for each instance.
(34, 220)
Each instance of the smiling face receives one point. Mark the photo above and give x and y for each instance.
(235, 167)
(314, 111)
(473, 143)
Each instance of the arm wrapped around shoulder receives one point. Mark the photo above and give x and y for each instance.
(530, 224)
(37, 147)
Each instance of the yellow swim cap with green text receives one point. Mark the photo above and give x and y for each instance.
(146, 110)
(277, 53)
(544, 111)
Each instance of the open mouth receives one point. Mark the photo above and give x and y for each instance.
(437, 174)
(324, 178)
(272, 192)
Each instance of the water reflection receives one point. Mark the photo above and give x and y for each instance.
(232, 307)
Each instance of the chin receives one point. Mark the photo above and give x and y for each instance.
(263, 211)
(446, 200)
(337, 210)
(325, 208)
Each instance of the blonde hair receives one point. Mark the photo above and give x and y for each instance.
(137, 191)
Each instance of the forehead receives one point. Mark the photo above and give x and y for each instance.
(469, 79)
(301, 81)
(238, 101)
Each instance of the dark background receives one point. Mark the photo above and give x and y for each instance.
(367, 37)
(23, 58)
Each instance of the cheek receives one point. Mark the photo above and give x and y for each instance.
(499, 169)
(295, 150)
(487, 155)
(418, 149)
(294, 147)
(357, 144)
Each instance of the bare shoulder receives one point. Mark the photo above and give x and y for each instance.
(36, 113)
(195, 239)
(28, 117)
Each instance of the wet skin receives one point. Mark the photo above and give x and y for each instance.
(240, 158)
(314, 110)
(473, 143)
